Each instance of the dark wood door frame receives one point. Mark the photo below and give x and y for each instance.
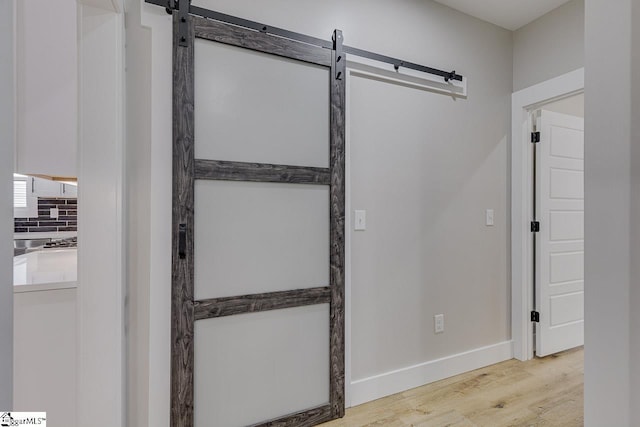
(186, 169)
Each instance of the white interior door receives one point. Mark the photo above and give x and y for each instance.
(560, 241)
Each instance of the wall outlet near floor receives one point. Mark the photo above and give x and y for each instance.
(438, 323)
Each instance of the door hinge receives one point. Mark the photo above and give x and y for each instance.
(535, 137)
(535, 226)
(535, 316)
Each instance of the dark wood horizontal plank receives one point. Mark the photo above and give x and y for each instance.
(260, 172)
(229, 306)
(257, 26)
(308, 418)
(262, 42)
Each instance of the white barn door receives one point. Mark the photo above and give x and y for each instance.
(560, 242)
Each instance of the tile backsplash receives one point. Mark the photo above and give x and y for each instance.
(67, 217)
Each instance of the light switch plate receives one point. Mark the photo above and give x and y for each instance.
(438, 323)
(360, 222)
(489, 217)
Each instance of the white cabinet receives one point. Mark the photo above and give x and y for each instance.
(40, 187)
(44, 187)
(47, 87)
(69, 190)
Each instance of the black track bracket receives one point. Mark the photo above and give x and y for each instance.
(184, 8)
(451, 76)
(337, 47)
(183, 15)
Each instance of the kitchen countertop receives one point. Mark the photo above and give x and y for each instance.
(46, 269)
(47, 235)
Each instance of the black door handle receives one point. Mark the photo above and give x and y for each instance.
(182, 241)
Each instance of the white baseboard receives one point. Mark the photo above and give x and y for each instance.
(375, 387)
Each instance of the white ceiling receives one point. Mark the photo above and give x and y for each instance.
(509, 14)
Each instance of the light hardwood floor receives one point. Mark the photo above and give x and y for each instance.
(540, 392)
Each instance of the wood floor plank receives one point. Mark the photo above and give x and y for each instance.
(541, 392)
(451, 418)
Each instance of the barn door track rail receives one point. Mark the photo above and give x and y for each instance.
(184, 8)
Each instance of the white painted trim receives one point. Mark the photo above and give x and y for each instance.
(7, 167)
(120, 240)
(392, 382)
(101, 277)
(108, 5)
(160, 202)
(522, 102)
(118, 6)
(347, 246)
(416, 79)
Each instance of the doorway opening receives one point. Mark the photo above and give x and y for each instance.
(557, 226)
(523, 205)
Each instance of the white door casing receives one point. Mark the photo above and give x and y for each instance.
(522, 102)
(560, 241)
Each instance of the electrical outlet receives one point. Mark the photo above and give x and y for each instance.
(438, 323)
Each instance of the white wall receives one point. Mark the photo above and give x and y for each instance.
(7, 136)
(634, 234)
(425, 167)
(463, 264)
(100, 203)
(47, 81)
(138, 196)
(550, 46)
(148, 168)
(46, 319)
(611, 215)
